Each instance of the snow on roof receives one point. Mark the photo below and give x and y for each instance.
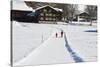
(41, 7)
(20, 5)
(81, 13)
(57, 9)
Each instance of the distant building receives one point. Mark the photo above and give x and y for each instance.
(48, 13)
(22, 13)
(83, 17)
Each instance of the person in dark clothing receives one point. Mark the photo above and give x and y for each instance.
(56, 35)
(62, 33)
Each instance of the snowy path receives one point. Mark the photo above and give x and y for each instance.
(52, 51)
(27, 37)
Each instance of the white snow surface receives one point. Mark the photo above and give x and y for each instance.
(57, 9)
(83, 43)
(27, 37)
(30, 48)
(50, 52)
(20, 5)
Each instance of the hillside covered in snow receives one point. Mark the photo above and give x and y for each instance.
(35, 44)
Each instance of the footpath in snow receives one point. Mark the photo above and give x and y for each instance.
(27, 37)
(80, 47)
(51, 51)
(54, 50)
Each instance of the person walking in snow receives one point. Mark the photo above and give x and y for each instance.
(56, 34)
(61, 33)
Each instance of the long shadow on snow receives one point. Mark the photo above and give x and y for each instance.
(72, 53)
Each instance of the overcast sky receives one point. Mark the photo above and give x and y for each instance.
(81, 7)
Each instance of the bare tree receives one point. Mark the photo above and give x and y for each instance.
(64, 7)
(72, 9)
(69, 11)
(92, 11)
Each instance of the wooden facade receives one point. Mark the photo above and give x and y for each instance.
(22, 16)
(45, 13)
(48, 13)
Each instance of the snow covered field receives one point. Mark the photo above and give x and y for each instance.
(36, 43)
(82, 42)
(27, 37)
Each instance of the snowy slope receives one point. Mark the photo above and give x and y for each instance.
(51, 51)
(41, 47)
(83, 43)
(27, 37)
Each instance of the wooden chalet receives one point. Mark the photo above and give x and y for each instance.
(22, 13)
(48, 13)
(83, 17)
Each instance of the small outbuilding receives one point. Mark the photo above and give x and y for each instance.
(22, 13)
(83, 17)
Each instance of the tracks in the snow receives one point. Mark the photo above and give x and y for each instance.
(73, 54)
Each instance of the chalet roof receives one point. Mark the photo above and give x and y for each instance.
(57, 9)
(20, 5)
(83, 14)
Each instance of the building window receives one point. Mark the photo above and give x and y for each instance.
(54, 15)
(50, 14)
(42, 14)
(49, 10)
(41, 18)
(47, 14)
(50, 18)
(45, 10)
(54, 19)
(47, 18)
